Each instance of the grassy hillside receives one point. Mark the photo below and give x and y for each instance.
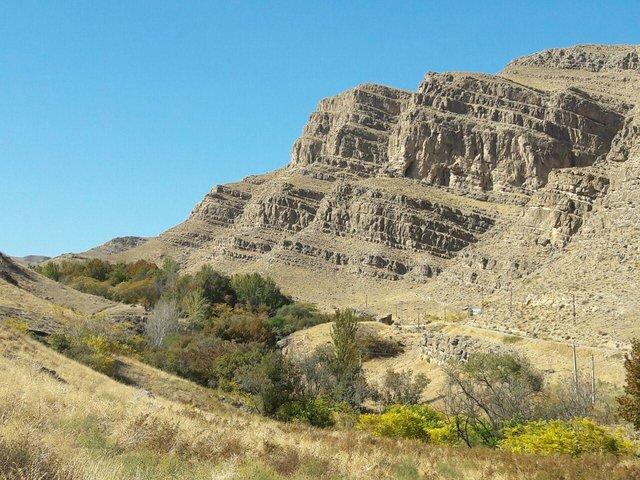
(47, 305)
(61, 420)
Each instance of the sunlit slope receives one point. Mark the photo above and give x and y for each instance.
(45, 305)
(59, 419)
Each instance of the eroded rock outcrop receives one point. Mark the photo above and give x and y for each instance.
(442, 347)
(487, 133)
(594, 58)
(559, 209)
(349, 133)
(221, 206)
(400, 221)
(460, 130)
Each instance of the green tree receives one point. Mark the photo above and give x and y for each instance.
(273, 383)
(347, 362)
(488, 392)
(255, 291)
(629, 403)
(51, 270)
(215, 286)
(119, 274)
(195, 308)
(168, 277)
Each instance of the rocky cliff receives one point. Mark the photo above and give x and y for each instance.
(514, 191)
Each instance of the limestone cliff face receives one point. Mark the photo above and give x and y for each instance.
(559, 210)
(593, 58)
(221, 206)
(297, 222)
(349, 133)
(486, 133)
(400, 221)
(458, 130)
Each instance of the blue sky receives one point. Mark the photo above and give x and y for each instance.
(117, 117)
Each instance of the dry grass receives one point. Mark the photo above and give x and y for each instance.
(91, 427)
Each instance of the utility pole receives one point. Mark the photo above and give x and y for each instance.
(366, 301)
(511, 301)
(481, 296)
(575, 356)
(593, 380)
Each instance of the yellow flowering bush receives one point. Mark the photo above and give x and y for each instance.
(410, 421)
(17, 324)
(572, 437)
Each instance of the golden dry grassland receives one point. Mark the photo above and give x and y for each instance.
(61, 420)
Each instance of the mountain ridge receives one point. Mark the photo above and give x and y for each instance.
(459, 193)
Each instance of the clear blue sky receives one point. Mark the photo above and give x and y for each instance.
(117, 117)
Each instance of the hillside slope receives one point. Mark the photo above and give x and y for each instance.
(73, 423)
(46, 305)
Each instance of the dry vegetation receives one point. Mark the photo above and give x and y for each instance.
(76, 423)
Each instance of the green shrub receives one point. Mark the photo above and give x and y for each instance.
(215, 286)
(273, 382)
(95, 346)
(294, 317)
(92, 286)
(135, 283)
(59, 342)
(97, 269)
(51, 270)
(373, 346)
(243, 327)
(316, 411)
(255, 292)
(119, 274)
(410, 421)
(142, 291)
(208, 360)
(558, 436)
(99, 361)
